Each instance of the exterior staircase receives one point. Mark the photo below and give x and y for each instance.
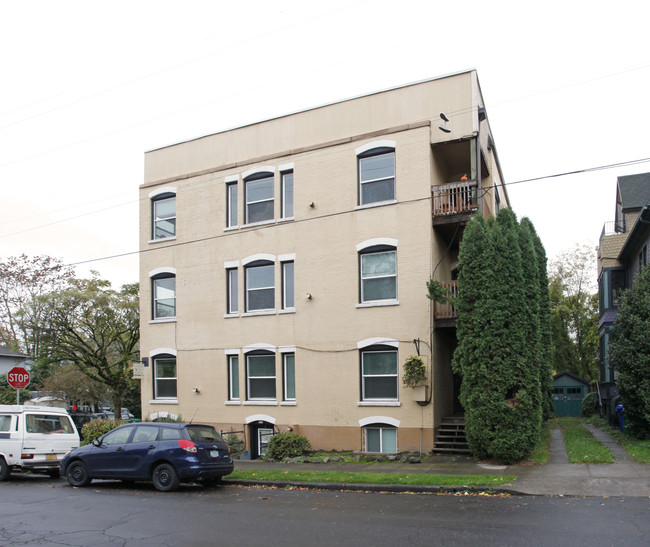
(451, 436)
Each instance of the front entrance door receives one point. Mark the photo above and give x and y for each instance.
(260, 435)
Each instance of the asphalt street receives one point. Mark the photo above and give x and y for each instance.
(48, 512)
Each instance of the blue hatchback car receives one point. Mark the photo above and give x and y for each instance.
(165, 453)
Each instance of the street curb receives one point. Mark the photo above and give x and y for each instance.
(393, 488)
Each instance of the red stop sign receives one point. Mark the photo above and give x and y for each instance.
(18, 378)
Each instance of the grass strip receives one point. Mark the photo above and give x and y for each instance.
(638, 449)
(541, 453)
(348, 477)
(581, 445)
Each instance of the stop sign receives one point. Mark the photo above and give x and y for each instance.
(18, 378)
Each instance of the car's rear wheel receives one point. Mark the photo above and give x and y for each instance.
(77, 474)
(165, 477)
(5, 470)
(212, 481)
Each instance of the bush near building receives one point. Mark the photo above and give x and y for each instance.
(629, 352)
(501, 355)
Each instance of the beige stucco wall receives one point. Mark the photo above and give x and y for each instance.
(325, 330)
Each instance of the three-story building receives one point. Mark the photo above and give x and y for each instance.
(284, 265)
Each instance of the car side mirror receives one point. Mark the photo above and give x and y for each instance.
(97, 442)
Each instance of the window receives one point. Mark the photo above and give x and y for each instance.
(47, 423)
(164, 296)
(643, 256)
(260, 374)
(260, 286)
(376, 175)
(117, 436)
(258, 190)
(231, 204)
(233, 290)
(164, 377)
(5, 422)
(145, 434)
(289, 375)
(164, 216)
(378, 267)
(381, 438)
(233, 377)
(287, 286)
(287, 194)
(379, 373)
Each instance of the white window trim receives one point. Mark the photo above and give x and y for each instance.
(259, 418)
(230, 264)
(287, 349)
(163, 320)
(260, 169)
(163, 270)
(379, 402)
(163, 402)
(291, 257)
(165, 190)
(375, 144)
(229, 358)
(256, 313)
(231, 178)
(284, 377)
(385, 301)
(259, 346)
(161, 239)
(377, 303)
(378, 341)
(260, 402)
(286, 167)
(160, 351)
(260, 256)
(370, 420)
(232, 351)
(387, 241)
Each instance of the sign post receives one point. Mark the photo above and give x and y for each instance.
(18, 378)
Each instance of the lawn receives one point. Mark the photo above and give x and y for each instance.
(581, 445)
(348, 477)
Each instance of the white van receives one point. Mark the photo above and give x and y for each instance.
(34, 438)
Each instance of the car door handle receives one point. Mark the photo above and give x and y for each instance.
(152, 446)
(120, 449)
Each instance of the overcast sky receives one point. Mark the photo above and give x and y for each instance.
(88, 87)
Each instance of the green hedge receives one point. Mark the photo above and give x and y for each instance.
(286, 445)
(96, 428)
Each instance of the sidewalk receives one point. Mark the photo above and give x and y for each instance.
(557, 478)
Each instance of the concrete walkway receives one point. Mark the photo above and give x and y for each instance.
(557, 478)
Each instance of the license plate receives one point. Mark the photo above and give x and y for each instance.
(214, 453)
(51, 457)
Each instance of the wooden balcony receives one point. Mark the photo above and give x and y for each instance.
(447, 310)
(455, 199)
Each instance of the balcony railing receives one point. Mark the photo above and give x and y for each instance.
(447, 310)
(455, 198)
(613, 227)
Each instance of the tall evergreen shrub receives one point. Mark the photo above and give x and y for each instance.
(545, 330)
(629, 352)
(500, 388)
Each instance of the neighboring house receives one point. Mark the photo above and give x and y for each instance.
(622, 251)
(568, 391)
(9, 359)
(284, 267)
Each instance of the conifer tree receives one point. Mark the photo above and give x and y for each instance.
(545, 330)
(629, 352)
(500, 388)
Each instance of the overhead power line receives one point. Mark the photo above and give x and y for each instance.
(229, 234)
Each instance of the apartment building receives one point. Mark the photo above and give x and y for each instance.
(284, 265)
(622, 251)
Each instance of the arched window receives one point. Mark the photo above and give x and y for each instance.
(164, 373)
(377, 271)
(379, 373)
(260, 285)
(258, 195)
(376, 173)
(163, 293)
(260, 375)
(381, 438)
(163, 213)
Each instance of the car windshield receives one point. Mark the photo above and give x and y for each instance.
(204, 433)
